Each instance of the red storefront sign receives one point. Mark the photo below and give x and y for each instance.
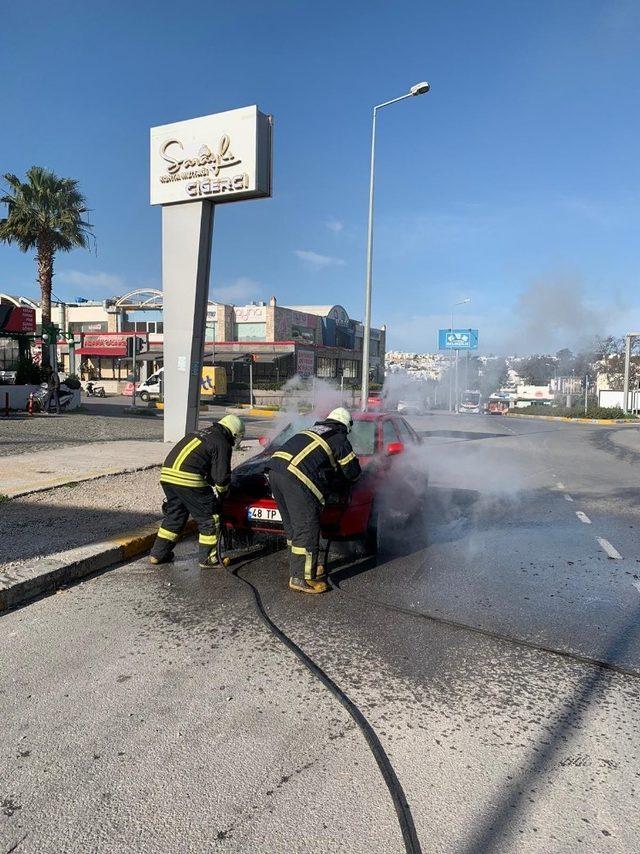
(110, 344)
(19, 320)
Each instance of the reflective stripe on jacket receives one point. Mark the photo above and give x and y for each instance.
(199, 459)
(317, 456)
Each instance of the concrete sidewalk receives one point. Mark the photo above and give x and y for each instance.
(54, 536)
(33, 472)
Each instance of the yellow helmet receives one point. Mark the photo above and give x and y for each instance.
(235, 426)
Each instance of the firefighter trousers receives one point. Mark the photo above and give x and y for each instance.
(180, 503)
(300, 511)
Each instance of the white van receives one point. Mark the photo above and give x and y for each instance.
(213, 383)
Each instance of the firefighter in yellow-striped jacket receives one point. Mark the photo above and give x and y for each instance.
(301, 473)
(197, 463)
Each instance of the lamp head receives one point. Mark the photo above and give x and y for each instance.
(420, 88)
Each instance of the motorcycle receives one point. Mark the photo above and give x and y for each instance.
(65, 396)
(95, 390)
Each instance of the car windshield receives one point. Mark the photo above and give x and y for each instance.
(362, 437)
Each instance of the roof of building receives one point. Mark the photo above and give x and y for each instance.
(16, 300)
(320, 310)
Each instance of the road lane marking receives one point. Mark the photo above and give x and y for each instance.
(583, 517)
(613, 553)
(560, 485)
(568, 497)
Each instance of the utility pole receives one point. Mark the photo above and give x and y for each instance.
(586, 392)
(455, 405)
(418, 89)
(627, 370)
(135, 349)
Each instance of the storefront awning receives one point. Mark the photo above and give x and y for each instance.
(239, 358)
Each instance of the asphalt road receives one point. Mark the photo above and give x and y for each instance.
(151, 711)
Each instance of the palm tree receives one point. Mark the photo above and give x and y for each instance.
(45, 213)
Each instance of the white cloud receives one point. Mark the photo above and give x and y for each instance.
(98, 280)
(239, 292)
(334, 225)
(315, 261)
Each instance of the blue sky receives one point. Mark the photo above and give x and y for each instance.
(514, 182)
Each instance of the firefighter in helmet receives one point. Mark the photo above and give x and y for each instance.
(301, 474)
(197, 463)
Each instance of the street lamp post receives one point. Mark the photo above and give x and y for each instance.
(461, 302)
(628, 405)
(418, 89)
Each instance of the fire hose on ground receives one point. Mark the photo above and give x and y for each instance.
(398, 797)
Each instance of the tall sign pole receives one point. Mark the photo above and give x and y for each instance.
(195, 165)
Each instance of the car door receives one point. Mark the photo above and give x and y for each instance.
(408, 436)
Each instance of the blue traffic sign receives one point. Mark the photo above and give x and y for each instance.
(457, 339)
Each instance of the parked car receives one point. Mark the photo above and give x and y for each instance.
(411, 407)
(375, 401)
(378, 499)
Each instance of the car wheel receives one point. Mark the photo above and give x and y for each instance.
(379, 537)
(144, 395)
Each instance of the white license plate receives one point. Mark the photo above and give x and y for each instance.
(263, 514)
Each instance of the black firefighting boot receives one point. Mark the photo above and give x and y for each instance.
(154, 560)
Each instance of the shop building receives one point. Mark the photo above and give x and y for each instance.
(280, 341)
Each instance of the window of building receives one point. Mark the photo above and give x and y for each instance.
(250, 331)
(326, 367)
(145, 326)
(349, 368)
(9, 354)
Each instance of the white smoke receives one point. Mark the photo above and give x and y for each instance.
(306, 400)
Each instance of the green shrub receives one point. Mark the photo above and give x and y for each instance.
(27, 372)
(576, 411)
(73, 381)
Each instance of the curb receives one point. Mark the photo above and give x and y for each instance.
(603, 421)
(236, 410)
(44, 576)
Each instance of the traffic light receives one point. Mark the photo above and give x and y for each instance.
(134, 341)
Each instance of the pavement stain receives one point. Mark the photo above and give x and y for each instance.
(9, 806)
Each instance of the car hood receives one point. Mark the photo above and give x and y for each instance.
(250, 476)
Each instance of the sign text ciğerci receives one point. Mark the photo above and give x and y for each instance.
(204, 168)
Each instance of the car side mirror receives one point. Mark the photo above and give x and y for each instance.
(394, 448)
(263, 441)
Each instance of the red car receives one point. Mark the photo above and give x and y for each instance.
(375, 401)
(384, 495)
